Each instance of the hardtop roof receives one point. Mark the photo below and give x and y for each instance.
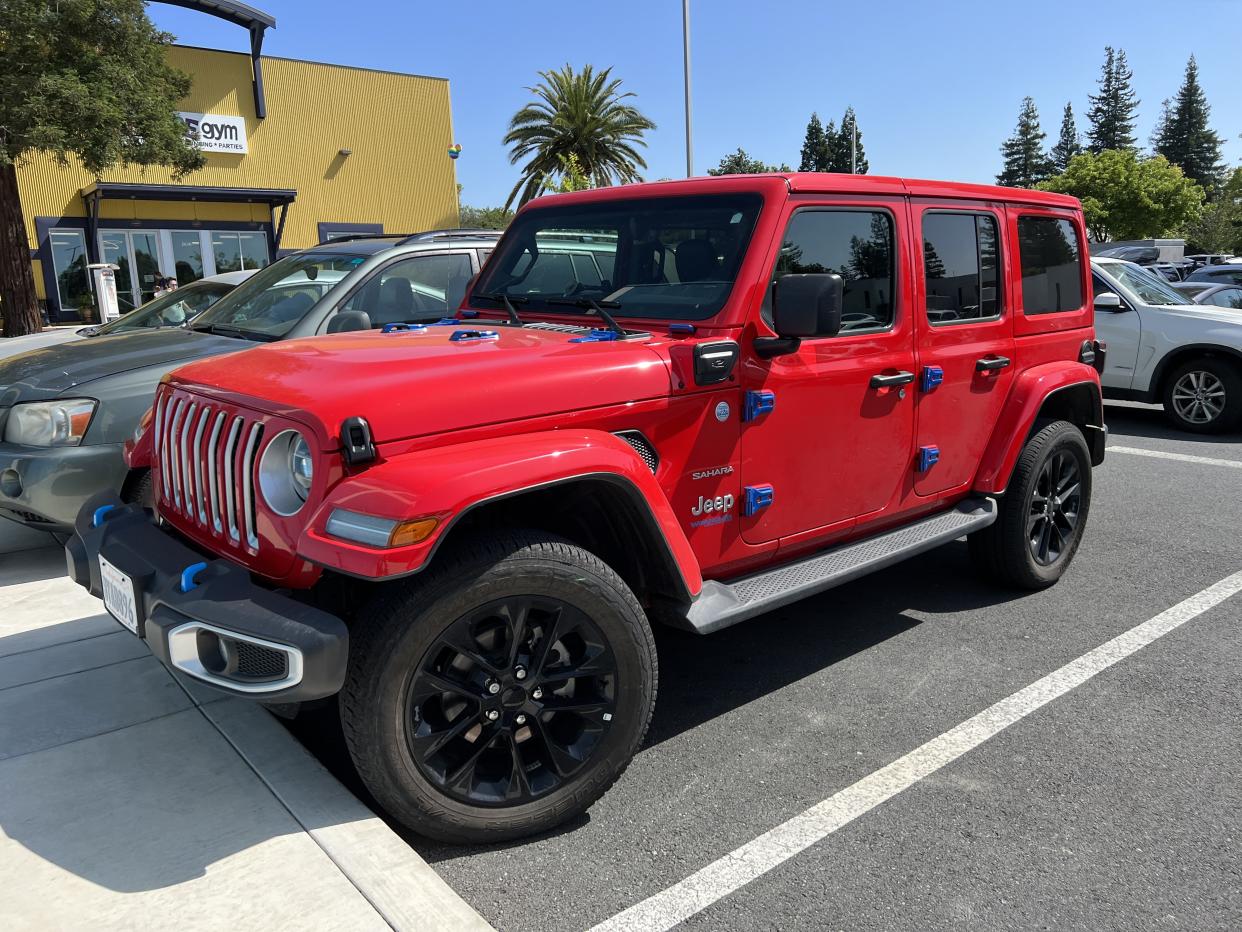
(818, 183)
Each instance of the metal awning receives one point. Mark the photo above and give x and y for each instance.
(255, 21)
(274, 198)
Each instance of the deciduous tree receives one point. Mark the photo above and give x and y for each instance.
(1125, 197)
(740, 163)
(85, 80)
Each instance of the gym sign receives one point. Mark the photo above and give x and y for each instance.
(213, 133)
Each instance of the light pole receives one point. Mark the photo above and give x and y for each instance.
(685, 34)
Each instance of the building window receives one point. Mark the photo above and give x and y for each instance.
(235, 252)
(73, 285)
(1051, 265)
(187, 255)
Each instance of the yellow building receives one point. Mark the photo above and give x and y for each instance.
(296, 151)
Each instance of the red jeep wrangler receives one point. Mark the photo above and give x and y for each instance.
(685, 402)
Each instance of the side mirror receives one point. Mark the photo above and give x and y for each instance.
(1108, 301)
(345, 321)
(808, 305)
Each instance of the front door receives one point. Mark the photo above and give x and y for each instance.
(835, 447)
(966, 341)
(136, 254)
(1121, 330)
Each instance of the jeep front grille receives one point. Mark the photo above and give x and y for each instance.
(206, 458)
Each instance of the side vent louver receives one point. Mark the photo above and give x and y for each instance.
(642, 446)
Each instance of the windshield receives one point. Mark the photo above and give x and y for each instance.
(1147, 286)
(174, 309)
(670, 258)
(269, 305)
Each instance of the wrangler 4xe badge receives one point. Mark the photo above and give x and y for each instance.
(715, 510)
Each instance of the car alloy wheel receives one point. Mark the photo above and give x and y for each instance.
(1199, 397)
(511, 701)
(1056, 502)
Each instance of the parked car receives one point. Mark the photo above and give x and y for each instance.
(173, 309)
(1164, 349)
(480, 518)
(1169, 271)
(65, 411)
(1205, 259)
(1229, 296)
(1222, 274)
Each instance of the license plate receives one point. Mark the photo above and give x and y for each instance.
(118, 595)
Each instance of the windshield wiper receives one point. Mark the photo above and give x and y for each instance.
(508, 301)
(590, 304)
(236, 332)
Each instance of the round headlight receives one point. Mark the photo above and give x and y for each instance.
(285, 472)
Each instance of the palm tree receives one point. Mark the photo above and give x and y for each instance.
(578, 114)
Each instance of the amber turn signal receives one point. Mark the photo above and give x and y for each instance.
(412, 532)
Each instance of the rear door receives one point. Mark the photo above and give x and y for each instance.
(966, 348)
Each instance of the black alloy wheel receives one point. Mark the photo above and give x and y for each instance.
(511, 701)
(1056, 499)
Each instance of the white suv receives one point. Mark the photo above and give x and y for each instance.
(1162, 349)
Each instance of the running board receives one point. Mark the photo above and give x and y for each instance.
(722, 604)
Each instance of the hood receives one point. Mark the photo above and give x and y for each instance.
(12, 346)
(415, 383)
(1220, 315)
(52, 371)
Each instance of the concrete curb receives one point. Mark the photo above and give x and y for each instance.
(400, 885)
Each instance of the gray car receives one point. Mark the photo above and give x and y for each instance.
(66, 411)
(173, 309)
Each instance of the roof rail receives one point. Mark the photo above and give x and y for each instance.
(429, 236)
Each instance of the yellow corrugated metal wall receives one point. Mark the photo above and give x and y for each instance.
(398, 126)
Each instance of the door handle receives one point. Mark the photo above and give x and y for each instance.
(991, 363)
(890, 381)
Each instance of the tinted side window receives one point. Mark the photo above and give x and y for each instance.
(961, 265)
(1228, 297)
(855, 244)
(413, 290)
(1051, 265)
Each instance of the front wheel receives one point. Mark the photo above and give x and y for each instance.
(1204, 396)
(501, 693)
(1043, 512)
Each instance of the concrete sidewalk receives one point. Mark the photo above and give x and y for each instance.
(131, 799)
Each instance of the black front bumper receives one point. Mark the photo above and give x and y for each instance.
(219, 606)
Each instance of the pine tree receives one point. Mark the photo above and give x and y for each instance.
(827, 152)
(1026, 162)
(843, 159)
(1068, 144)
(1113, 110)
(1185, 138)
(1160, 138)
(814, 147)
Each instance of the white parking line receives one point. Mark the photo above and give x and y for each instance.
(1180, 457)
(755, 858)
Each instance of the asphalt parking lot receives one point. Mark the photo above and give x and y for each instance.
(1114, 805)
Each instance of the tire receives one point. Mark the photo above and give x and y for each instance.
(1204, 396)
(538, 762)
(1016, 549)
(139, 490)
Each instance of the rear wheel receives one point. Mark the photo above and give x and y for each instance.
(1204, 396)
(501, 694)
(1042, 514)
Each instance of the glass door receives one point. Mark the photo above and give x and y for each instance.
(136, 254)
(187, 255)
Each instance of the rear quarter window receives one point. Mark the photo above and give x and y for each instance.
(1051, 261)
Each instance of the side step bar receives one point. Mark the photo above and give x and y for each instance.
(721, 604)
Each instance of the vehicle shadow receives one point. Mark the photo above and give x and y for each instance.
(35, 565)
(703, 678)
(1125, 420)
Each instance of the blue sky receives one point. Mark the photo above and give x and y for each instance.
(936, 86)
